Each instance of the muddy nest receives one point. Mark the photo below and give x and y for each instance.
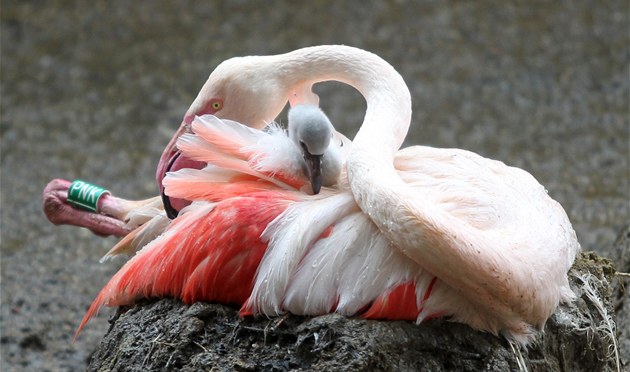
(169, 335)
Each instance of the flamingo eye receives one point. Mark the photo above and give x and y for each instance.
(216, 104)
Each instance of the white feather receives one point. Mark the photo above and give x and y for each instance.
(276, 153)
(214, 128)
(290, 236)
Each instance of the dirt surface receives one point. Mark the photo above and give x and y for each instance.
(621, 295)
(94, 90)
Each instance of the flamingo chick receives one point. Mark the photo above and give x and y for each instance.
(421, 232)
(312, 131)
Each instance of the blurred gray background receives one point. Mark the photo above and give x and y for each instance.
(95, 89)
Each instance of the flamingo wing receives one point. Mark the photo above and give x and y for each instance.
(210, 253)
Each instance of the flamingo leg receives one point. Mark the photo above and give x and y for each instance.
(61, 212)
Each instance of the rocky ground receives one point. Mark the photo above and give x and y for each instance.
(94, 90)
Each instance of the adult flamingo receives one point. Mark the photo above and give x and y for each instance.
(445, 232)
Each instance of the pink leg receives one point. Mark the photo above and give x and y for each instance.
(107, 222)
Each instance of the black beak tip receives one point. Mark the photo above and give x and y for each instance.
(171, 212)
(316, 184)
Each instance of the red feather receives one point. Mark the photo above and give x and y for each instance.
(399, 303)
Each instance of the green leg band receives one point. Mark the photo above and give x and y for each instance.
(85, 195)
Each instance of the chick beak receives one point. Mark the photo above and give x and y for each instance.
(314, 167)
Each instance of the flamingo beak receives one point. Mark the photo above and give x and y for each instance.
(314, 167)
(169, 153)
(170, 161)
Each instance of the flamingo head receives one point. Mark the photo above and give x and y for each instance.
(250, 90)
